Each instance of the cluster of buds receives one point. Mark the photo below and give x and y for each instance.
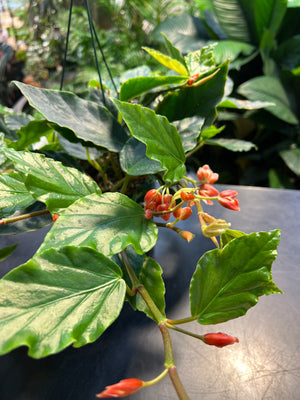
(180, 203)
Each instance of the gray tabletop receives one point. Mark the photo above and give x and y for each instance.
(265, 364)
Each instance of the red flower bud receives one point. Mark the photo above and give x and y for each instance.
(227, 200)
(152, 196)
(219, 339)
(192, 79)
(164, 207)
(177, 213)
(121, 389)
(206, 175)
(186, 212)
(186, 196)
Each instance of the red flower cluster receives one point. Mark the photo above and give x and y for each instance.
(121, 389)
(219, 339)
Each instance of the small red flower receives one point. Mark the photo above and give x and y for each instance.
(206, 175)
(164, 207)
(192, 79)
(207, 190)
(219, 339)
(121, 389)
(186, 196)
(227, 199)
(186, 212)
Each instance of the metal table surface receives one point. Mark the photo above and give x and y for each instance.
(265, 364)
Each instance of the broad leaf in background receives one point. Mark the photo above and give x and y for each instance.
(292, 159)
(173, 51)
(14, 194)
(231, 144)
(228, 282)
(189, 131)
(50, 181)
(108, 223)
(231, 102)
(161, 138)
(87, 120)
(133, 159)
(136, 86)
(268, 14)
(167, 61)
(269, 89)
(199, 100)
(58, 298)
(238, 53)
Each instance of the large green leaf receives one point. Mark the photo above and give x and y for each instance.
(133, 159)
(201, 61)
(231, 144)
(108, 223)
(268, 14)
(189, 131)
(200, 100)
(50, 181)
(173, 51)
(232, 16)
(167, 61)
(58, 298)
(231, 50)
(269, 89)
(13, 193)
(161, 138)
(136, 86)
(87, 120)
(228, 282)
(231, 102)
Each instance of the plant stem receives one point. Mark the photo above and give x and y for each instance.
(194, 335)
(8, 220)
(155, 380)
(170, 364)
(180, 321)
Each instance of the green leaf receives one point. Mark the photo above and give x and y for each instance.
(189, 131)
(58, 298)
(230, 50)
(173, 51)
(108, 223)
(210, 132)
(293, 3)
(201, 61)
(228, 235)
(269, 89)
(268, 14)
(232, 17)
(50, 181)
(15, 122)
(161, 138)
(231, 102)
(89, 121)
(134, 87)
(195, 100)
(133, 159)
(167, 61)
(14, 194)
(232, 144)
(288, 53)
(31, 133)
(228, 282)
(292, 159)
(7, 251)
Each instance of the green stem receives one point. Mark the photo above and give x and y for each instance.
(170, 364)
(194, 335)
(157, 379)
(180, 321)
(8, 220)
(125, 183)
(195, 149)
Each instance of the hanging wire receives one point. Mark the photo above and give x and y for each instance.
(66, 47)
(94, 48)
(105, 62)
(93, 36)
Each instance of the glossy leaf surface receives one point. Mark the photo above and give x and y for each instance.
(87, 120)
(167, 61)
(31, 133)
(133, 159)
(50, 181)
(292, 159)
(228, 282)
(231, 144)
(108, 223)
(13, 193)
(161, 138)
(59, 298)
(134, 87)
(269, 89)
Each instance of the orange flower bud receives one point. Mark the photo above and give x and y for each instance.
(54, 217)
(187, 196)
(186, 235)
(121, 389)
(206, 175)
(227, 200)
(186, 212)
(219, 339)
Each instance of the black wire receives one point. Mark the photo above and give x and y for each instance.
(105, 62)
(94, 48)
(66, 47)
